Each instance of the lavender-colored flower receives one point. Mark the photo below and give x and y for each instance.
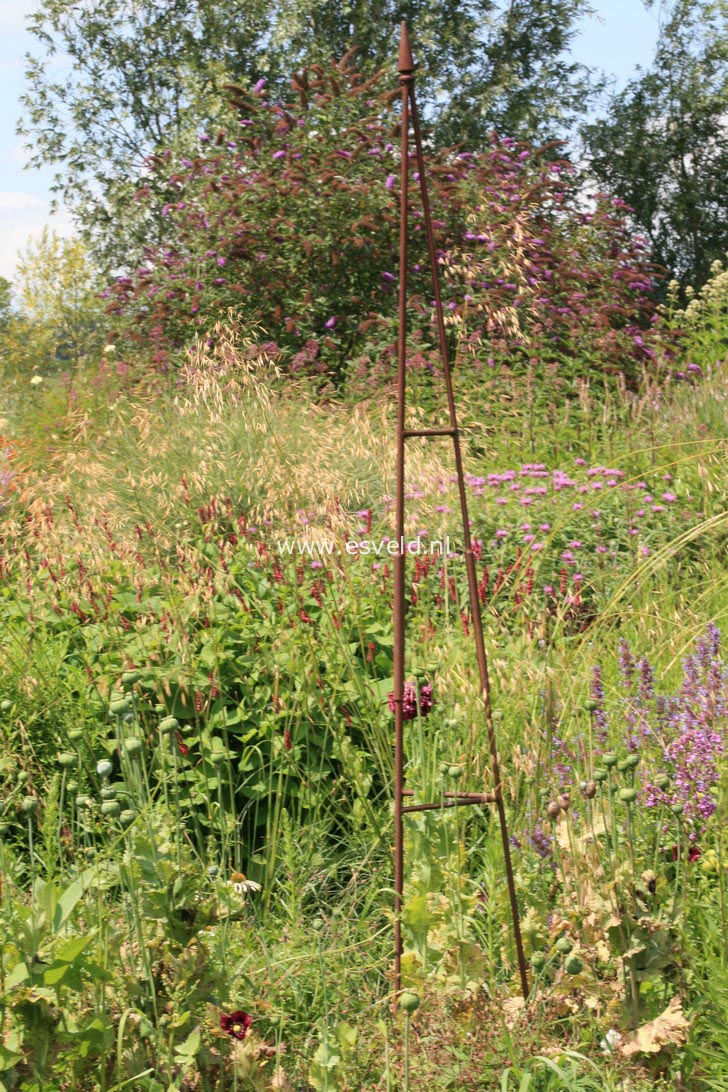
(540, 840)
(601, 721)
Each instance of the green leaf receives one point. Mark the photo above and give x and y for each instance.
(73, 948)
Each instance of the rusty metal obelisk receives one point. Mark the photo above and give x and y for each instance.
(452, 799)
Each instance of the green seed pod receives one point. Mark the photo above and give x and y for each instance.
(573, 965)
(420, 674)
(72, 786)
(564, 945)
(104, 768)
(5, 706)
(168, 726)
(628, 796)
(591, 706)
(23, 777)
(76, 735)
(108, 792)
(218, 758)
(632, 761)
(610, 760)
(600, 775)
(677, 809)
(538, 961)
(450, 722)
(662, 782)
(121, 706)
(127, 817)
(110, 807)
(29, 805)
(454, 772)
(133, 747)
(409, 1002)
(623, 765)
(84, 801)
(67, 760)
(129, 678)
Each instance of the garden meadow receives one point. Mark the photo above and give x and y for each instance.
(196, 751)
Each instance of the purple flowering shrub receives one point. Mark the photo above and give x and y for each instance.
(290, 215)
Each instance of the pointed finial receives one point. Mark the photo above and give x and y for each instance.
(405, 65)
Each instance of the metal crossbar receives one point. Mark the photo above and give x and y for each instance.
(451, 799)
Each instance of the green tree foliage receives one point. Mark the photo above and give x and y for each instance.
(663, 145)
(113, 82)
(291, 219)
(6, 296)
(58, 317)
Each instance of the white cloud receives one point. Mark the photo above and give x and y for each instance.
(16, 200)
(23, 215)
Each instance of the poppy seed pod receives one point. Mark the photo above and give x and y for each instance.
(168, 726)
(129, 678)
(599, 776)
(29, 805)
(67, 761)
(110, 807)
(564, 800)
(120, 706)
(104, 768)
(133, 747)
(409, 1002)
(590, 790)
(573, 965)
(553, 810)
(628, 796)
(610, 760)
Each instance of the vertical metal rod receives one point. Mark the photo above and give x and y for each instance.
(406, 68)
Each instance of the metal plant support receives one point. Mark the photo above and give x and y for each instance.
(451, 799)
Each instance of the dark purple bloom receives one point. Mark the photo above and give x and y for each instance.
(236, 1024)
(409, 701)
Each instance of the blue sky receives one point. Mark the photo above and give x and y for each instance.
(619, 38)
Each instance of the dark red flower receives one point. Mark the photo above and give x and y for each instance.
(236, 1023)
(694, 853)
